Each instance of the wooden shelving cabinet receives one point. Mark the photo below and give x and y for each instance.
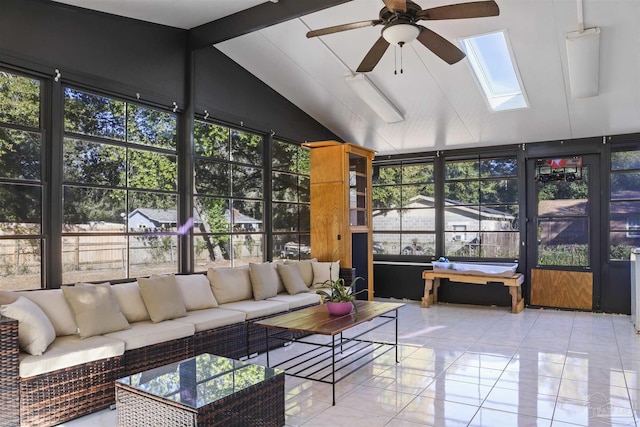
(341, 207)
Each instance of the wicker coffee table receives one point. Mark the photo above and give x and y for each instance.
(205, 390)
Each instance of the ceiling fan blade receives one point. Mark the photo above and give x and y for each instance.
(393, 5)
(343, 27)
(373, 56)
(477, 9)
(442, 47)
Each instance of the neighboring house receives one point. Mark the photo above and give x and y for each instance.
(166, 219)
(463, 224)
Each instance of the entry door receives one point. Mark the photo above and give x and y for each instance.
(563, 229)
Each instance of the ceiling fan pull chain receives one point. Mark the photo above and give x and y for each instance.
(401, 70)
(395, 60)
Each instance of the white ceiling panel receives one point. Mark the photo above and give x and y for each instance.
(442, 105)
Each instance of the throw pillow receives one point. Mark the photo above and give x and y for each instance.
(264, 280)
(230, 284)
(325, 271)
(53, 303)
(130, 301)
(95, 309)
(292, 279)
(162, 297)
(35, 331)
(305, 268)
(196, 292)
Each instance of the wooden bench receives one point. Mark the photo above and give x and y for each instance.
(432, 282)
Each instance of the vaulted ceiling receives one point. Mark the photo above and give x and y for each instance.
(442, 105)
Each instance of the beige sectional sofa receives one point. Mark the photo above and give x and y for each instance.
(62, 349)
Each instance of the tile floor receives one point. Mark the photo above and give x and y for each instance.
(478, 366)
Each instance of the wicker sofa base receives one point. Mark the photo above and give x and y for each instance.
(151, 356)
(65, 394)
(227, 341)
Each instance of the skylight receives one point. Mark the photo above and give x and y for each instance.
(493, 64)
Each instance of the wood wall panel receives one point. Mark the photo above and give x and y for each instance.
(563, 289)
(327, 219)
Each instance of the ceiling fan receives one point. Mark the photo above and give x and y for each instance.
(400, 18)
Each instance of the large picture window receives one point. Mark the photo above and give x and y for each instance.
(404, 210)
(120, 202)
(228, 214)
(21, 181)
(481, 208)
(624, 204)
(290, 197)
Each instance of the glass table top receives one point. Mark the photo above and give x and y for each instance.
(200, 380)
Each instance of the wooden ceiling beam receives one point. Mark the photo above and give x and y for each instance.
(254, 19)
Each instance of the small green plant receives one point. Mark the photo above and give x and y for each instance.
(339, 292)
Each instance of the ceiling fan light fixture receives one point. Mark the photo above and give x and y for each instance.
(400, 34)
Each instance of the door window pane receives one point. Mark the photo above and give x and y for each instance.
(563, 242)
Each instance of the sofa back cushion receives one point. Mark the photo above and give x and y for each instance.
(53, 303)
(324, 271)
(306, 270)
(230, 284)
(162, 297)
(264, 280)
(196, 292)
(95, 308)
(130, 301)
(35, 331)
(292, 279)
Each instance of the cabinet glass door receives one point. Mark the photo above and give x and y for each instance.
(357, 190)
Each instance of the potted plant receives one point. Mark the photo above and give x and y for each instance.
(340, 299)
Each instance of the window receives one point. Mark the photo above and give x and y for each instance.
(120, 203)
(481, 208)
(21, 183)
(494, 66)
(290, 197)
(229, 201)
(624, 203)
(404, 210)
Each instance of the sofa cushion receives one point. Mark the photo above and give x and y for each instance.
(95, 309)
(264, 280)
(130, 301)
(55, 306)
(35, 331)
(324, 271)
(275, 265)
(255, 309)
(196, 292)
(162, 297)
(306, 270)
(292, 279)
(69, 351)
(147, 333)
(230, 284)
(298, 300)
(211, 318)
